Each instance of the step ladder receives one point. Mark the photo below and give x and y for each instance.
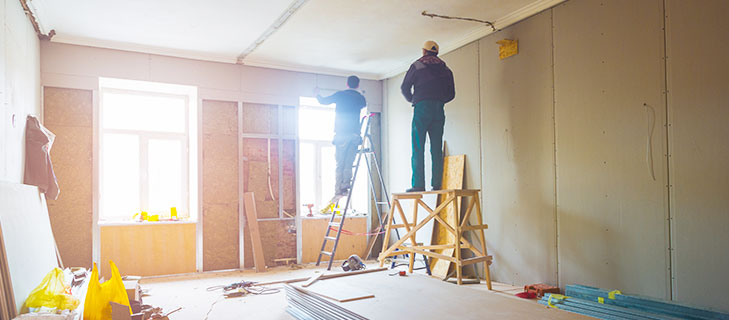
(366, 151)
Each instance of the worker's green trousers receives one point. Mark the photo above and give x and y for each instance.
(428, 118)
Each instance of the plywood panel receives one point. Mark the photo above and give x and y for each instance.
(518, 154)
(453, 172)
(68, 114)
(148, 250)
(698, 97)
(260, 118)
(278, 242)
(313, 230)
(220, 185)
(612, 214)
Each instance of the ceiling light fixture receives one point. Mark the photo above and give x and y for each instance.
(273, 28)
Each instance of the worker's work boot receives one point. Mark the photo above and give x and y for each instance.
(415, 189)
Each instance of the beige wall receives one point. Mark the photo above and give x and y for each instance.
(570, 129)
(19, 87)
(698, 106)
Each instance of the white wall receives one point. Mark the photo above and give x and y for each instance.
(79, 67)
(567, 186)
(19, 87)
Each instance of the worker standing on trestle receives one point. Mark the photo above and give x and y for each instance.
(433, 86)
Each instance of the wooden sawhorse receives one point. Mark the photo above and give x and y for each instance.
(457, 228)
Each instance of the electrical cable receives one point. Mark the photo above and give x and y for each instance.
(432, 15)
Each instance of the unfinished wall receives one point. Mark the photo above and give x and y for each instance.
(575, 147)
(697, 101)
(78, 67)
(68, 113)
(612, 213)
(220, 185)
(517, 132)
(19, 86)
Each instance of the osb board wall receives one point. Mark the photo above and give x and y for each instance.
(255, 172)
(260, 118)
(148, 250)
(278, 242)
(220, 185)
(697, 101)
(68, 114)
(313, 230)
(612, 213)
(518, 154)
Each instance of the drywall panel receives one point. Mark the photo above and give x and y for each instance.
(462, 124)
(27, 236)
(313, 230)
(20, 82)
(698, 97)
(398, 117)
(148, 249)
(220, 185)
(65, 62)
(612, 213)
(68, 114)
(517, 146)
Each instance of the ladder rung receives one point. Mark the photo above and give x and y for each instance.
(334, 224)
(330, 238)
(382, 202)
(327, 253)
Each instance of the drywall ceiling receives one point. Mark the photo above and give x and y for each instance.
(372, 38)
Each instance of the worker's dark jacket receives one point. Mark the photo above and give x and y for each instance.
(346, 115)
(432, 80)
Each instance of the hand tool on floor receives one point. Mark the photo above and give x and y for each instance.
(353, 263)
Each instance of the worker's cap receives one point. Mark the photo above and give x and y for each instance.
(431, 46)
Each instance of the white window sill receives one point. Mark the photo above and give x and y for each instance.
(144, 223)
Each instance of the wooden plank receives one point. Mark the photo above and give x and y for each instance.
(476, 227)
(252, 220)
(339, 291)
(324, 277)
(29, 243)
(311, 280)
(148, 249)
(453, 173)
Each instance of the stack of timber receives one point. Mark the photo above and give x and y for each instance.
(604, 304)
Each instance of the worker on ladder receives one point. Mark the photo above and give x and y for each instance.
(347, 139)
(433, 88)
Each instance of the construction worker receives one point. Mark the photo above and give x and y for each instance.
(346, 132)
(433, 88)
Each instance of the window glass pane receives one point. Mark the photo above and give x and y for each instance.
(307, 176)
(143, 112)
(120, 176)
(316, 123)
(328, 167)
(165, 177)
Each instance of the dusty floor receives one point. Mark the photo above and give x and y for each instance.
(191, 293)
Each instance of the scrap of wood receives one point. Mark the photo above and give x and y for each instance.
(453, 174)
(252, 219)
(312, 280)
(340, 292)
(323, 277)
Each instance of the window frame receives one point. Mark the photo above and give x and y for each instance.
(144, 137)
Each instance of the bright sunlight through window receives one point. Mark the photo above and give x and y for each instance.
(147, 145)
(316, 159)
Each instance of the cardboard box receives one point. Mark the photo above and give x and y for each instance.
(133, 290)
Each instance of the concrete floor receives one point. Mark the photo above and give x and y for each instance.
(190, 292)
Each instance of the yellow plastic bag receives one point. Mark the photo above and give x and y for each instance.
(51, 293)
(98, 296)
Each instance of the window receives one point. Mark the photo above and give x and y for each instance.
(316, 159)
(147, 136)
